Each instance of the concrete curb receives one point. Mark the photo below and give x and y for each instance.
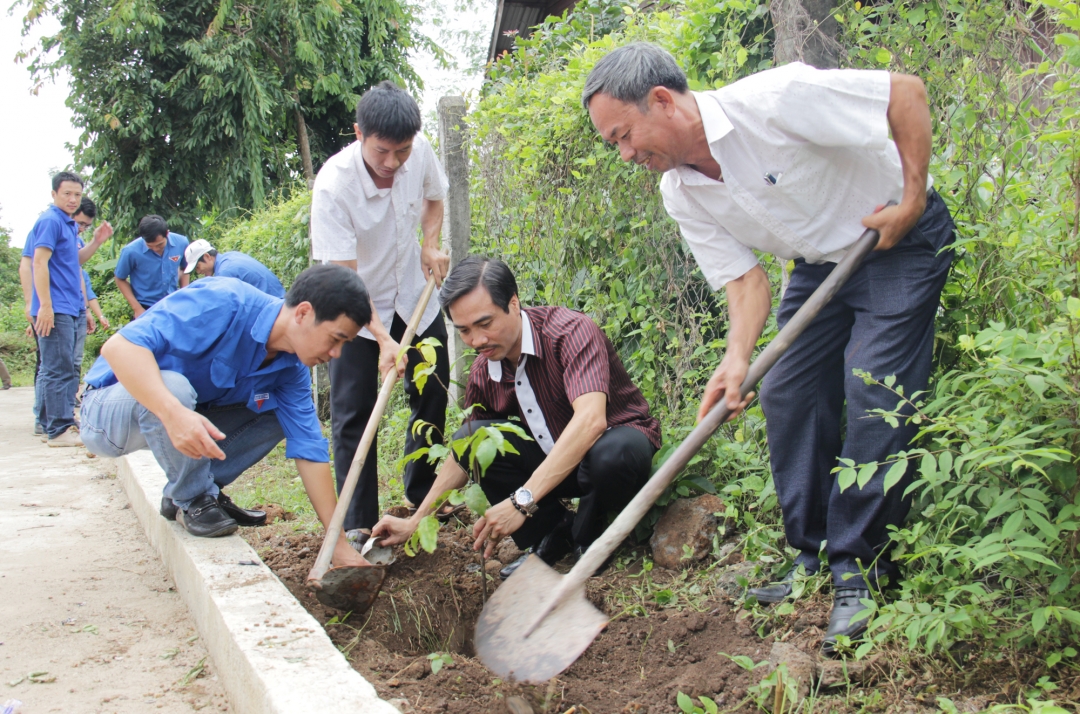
(269, 653)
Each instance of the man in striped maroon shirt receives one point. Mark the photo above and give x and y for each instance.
(555, 370)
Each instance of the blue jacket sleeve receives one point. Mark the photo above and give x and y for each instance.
(123, 265)
(47, 234)
(296, 414)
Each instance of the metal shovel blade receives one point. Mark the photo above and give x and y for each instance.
(355, 588)
(559, 640)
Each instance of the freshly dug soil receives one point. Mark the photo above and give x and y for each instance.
(430, 603)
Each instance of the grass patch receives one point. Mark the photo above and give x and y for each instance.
(18, 352)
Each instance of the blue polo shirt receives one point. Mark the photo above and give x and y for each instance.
(58, 232)
(152, 276)
(90, 294)
(214, 332)
(242, 266)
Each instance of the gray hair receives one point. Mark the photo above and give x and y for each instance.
(629, 73)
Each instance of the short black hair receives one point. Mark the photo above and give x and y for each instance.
(152, 226)
(212, 252)
(388, 111)
(475, 270)
(87, 208)
(333, 290)
(63, 176)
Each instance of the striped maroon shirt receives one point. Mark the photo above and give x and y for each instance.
(573, 357)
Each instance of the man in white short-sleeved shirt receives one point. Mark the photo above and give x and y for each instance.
(797, 162)
(368, 205)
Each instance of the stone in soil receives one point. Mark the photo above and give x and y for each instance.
(686, 522)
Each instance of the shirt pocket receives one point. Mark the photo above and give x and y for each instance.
(222, 374)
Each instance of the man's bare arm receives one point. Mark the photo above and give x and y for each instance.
(909, 120)
(137, 369)
(101, 234)
(319, 484)
(388, 346)
(398, 530)
(125, 289)
(749, 302)
(26, 279)
(433, 260)
(45, 317)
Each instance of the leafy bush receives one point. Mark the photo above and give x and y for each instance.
(992, 545)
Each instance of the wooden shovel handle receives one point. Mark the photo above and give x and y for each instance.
(333, 531)
(621, 527)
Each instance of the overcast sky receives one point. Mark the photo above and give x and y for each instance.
(34, 130)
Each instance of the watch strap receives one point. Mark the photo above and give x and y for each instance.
(521, 509)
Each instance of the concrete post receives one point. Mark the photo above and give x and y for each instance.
(454, 148)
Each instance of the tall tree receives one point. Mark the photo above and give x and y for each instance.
(189, 106)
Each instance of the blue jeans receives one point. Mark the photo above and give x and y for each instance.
(77, 353)
(57, 378)
(882, 322)
(114, 424)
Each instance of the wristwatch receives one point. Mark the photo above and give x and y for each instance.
(523, 501)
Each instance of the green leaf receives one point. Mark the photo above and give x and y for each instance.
(1012, 524)
(685, 703)
(866, 472)
(485, 453)
(475, 500)
(895, 473)
(846, 478)
(1037, 384)
(429, 533)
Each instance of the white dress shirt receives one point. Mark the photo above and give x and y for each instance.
(526, 396)
(352, 219)
(804, 155)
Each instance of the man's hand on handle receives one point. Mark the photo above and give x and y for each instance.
(725, 383)
(388, 352)
(434, 262)
(893, 222)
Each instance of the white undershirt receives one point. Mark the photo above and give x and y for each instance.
(530, 407)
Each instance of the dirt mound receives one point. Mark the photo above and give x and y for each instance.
(430, 603)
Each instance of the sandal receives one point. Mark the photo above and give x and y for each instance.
(448, 511)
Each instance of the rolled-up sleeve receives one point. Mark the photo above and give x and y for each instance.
(332, 234)
(721, 257)
(299, 422)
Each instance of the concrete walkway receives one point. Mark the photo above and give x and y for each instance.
(84, 600)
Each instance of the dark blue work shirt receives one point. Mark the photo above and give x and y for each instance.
(214, 332)
(242, 266)
(152, 276)
(58, 232)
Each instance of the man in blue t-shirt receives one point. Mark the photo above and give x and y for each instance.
(84, 218)
(151, 266)
(215, 376)
(56, 301)
(204, 260)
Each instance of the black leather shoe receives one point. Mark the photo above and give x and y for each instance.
(168, 509)
(509, 568)
(846, 604)
(778, 591)
(206, 518)
(242, 516)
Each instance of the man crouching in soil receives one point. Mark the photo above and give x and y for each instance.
(553, 368)
(212, 378)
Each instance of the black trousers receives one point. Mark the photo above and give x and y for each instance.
(354, 388)
(612, 472)
(882, 322)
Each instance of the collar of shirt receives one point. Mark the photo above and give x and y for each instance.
(368, 183)
(68, 220)
(169, 240)
(529, 346)
(717, 126)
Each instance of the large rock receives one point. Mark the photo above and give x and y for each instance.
(801, 667)
(687, 521)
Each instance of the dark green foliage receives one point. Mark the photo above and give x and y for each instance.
(194, 106)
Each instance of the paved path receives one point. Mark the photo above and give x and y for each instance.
(82, 596)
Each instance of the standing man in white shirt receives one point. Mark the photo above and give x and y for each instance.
(798, 162)
(369, 201)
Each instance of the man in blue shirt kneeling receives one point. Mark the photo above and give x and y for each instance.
(204, 260)
(212, 378)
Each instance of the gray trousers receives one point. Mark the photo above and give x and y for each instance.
(882, 322)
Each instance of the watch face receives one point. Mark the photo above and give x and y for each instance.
(524, 496)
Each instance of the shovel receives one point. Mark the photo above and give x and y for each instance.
(539, 622)
(355, 588)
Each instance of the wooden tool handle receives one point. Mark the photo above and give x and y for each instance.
(333, 531)
(622, 526)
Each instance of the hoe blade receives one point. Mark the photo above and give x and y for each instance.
(558, 641)
(349, 588)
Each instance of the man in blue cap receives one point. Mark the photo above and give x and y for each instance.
(204, 260)
(212, 378)
(151, 266)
